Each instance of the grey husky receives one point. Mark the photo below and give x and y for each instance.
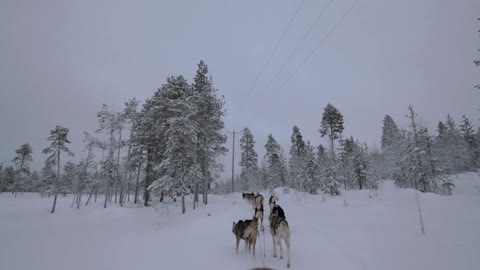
(248, 231)
(279, 230)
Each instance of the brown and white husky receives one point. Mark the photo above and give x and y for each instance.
(280, 230)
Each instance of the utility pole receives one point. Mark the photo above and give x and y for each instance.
(233, 159)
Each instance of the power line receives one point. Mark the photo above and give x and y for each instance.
(274, 50)
(301, 41)
(315, 49)
(319, 44)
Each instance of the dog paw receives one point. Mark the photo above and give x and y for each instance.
(281, 257)
(274, 255)
(288, 265)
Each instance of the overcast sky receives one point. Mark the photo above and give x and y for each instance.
(61, 60)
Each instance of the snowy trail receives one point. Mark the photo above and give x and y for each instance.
(378, 232)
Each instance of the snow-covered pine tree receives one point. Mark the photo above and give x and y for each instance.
(210, 125)
(22, 161)
(471, 145)
(87, 167)
(391, 145)
(9, 178)
(46, 186)
(332, 125)
(107, 124)
(296, 163)
(274, 163)
(441, 182)
(179, 170)
(130, 116)
(346, 153)
(59, 141)
(331, 184)
(248, 162)
(454, 147)
(312, 181)
(360, 165)
(70, 180)
(34, 180)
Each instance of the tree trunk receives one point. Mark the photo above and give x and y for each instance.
(135, 200)
(183, 204)
(79, 199)
(96, 193)
(56, 182)
(90, 196)
(73, 200)
(148, 175)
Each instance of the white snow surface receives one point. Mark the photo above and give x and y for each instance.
(351, 231)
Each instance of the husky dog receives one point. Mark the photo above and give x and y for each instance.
(258, 201)
(259, 214)
(272, 202)
(248, 231)
(279, 230)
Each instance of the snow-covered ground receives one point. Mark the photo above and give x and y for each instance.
(352, 231)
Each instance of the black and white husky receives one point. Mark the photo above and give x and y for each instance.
(272, 202)
(279, 230)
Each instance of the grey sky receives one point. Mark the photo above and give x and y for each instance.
(61, 60)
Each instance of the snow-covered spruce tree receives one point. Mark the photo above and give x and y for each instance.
(9, 178)
(360, 165)
(312, 181)
(345, 173)
(416, 154)
(46, 186)
(22, 162)
(296, 165)
(210, 125)
(34, 181)
(58, 138)
(472, 148)
(441, 182)
(331, 184)
(275, 164)
(391, 145)
(454, 147)
(2, 179)
(248, 162)
(179, 170)
(332, 125)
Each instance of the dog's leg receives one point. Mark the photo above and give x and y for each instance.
(279, 239)
(287, 243)
(246, 246)
(254, 240)
(238, 242)
(274, 247)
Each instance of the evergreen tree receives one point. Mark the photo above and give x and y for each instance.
(22, 161)
(332, 125)
(210, 124)
(275, 162)
(330, 180)
(391, 147)
(179, 170)
(9, 178)
(248, 161)
(46, 186)
(297, 159)
(312, 181)
(472, 148)
(58, 138)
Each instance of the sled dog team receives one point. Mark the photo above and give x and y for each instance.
(248, 229)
